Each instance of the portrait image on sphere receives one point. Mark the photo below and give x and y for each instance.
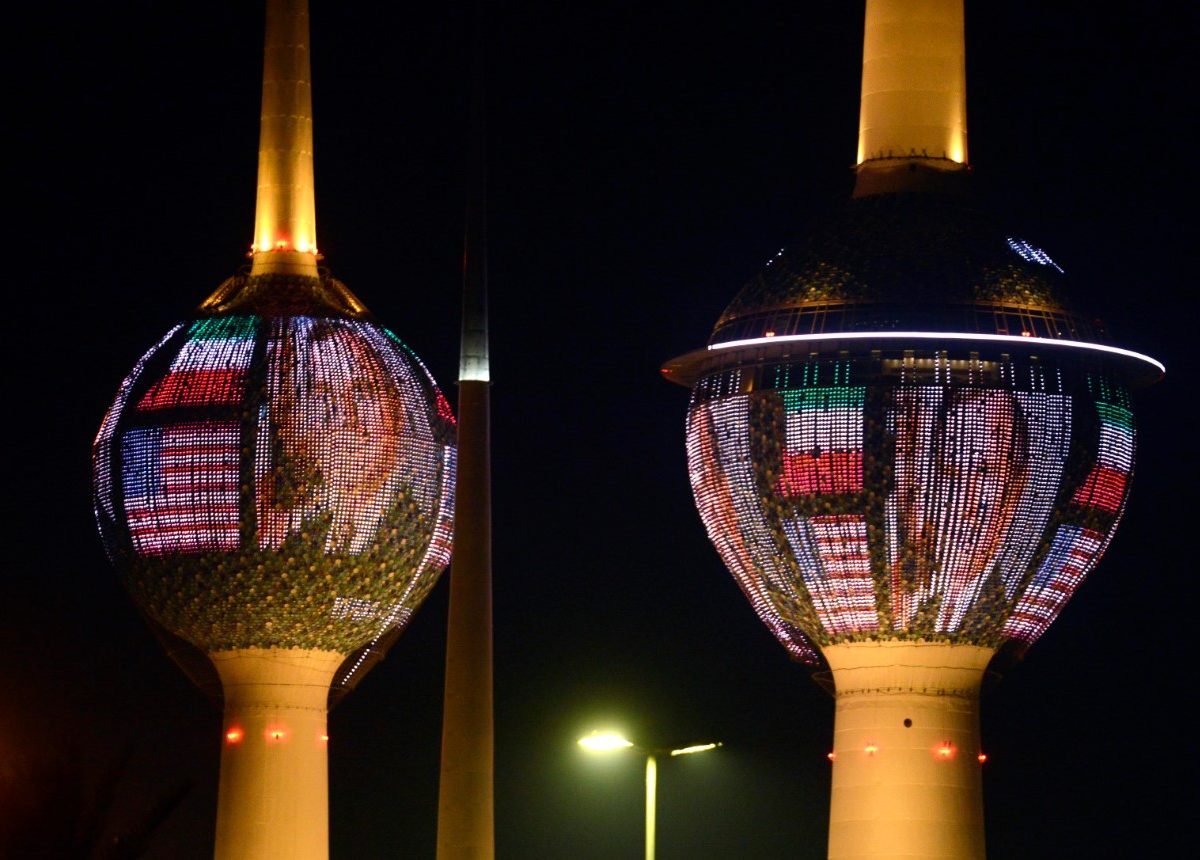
(333, 421)
(961, 462)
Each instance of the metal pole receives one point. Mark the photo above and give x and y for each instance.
(285, 231)
(651, 791)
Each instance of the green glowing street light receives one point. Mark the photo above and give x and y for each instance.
(602, 741)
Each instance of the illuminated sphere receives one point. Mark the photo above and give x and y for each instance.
(277, 472)
(901, 431)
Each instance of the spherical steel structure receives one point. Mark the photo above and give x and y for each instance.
(277, 476)
(901, 430)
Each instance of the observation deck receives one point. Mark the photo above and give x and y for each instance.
(909, 275)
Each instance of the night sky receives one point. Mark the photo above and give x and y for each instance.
(644, 163)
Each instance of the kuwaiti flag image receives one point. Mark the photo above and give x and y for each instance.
(1104, 487)
(211, 368)
(824, 456)
(824, 453)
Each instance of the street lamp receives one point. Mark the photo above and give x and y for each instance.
(600, 741)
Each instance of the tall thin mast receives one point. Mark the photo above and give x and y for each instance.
(473, 365)
(466, 823)
(285, 221)
(913, 113)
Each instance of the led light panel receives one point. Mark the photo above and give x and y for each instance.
(853, 508)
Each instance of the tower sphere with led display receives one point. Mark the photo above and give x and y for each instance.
(900, 430)
(277, 473)
(274, 482)
(909, 448)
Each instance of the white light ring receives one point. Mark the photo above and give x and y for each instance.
(940, 335)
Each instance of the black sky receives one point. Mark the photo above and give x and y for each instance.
(644, 163)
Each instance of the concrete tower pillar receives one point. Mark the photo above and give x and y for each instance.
(913, 112)
(466, 796)
(273, 800)
(906, 769)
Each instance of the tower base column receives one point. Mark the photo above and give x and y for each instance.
(273, 800)
(906, 772)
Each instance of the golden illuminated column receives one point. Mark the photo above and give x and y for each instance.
(274, 791)
(285, 222)
(914, 88)
(465, 802)
(906, 775)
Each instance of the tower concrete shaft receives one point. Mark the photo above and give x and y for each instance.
(285, 221)
(273, 800)
(906, 767)
(913, 111)
(466, 822)
(466, 817)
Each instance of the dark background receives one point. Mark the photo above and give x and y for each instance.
(644, 163)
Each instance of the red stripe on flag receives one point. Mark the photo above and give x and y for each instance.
(1103, 489)
(195, 388)
(830, 473)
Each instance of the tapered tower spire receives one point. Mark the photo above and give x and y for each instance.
(912, 127)
(465, 805)
(285, 220)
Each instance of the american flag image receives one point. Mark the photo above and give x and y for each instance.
(834, 561)
(180, 478)
(1073, 553)
(181, 487)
